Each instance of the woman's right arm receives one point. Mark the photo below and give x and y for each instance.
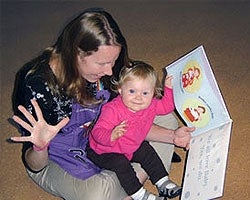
(36, 160)
(42, 133)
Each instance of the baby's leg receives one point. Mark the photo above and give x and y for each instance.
(152, 164)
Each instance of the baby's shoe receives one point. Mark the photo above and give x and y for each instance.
(150, 196)
(169, 189)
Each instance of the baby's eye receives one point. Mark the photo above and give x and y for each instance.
(131, 91)
(145, 93)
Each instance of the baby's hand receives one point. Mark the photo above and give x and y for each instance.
(118, 131)
(168, 81)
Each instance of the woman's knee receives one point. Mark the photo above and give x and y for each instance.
(109, 187)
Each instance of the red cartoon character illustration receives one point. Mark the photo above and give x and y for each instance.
(194, 114)
(190, 76)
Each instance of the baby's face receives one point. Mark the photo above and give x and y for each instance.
(137, 94)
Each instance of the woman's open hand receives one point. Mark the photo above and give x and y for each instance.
(41, 132)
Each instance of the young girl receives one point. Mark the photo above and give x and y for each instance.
(118, 137)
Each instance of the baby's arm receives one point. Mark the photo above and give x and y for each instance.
(166, 105)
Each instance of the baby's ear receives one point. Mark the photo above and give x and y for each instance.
(119, 90)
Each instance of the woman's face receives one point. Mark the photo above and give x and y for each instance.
(99, 63)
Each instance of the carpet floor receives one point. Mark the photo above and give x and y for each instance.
(157, 32)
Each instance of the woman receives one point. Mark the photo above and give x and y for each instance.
(70, 81)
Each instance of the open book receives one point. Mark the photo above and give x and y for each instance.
(199, 102)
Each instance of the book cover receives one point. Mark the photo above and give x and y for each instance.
(199, 102)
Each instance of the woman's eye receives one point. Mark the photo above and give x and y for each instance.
(131, 91)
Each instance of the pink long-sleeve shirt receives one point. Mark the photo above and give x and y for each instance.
(138, 124)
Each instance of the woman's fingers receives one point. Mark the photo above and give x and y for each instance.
(21, 139)
(62, 123)
(27, 114)
(24, 124)
(37, 110)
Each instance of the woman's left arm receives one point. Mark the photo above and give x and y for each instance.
(180, 137)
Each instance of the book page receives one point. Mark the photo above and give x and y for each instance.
(206, 164)
(196, 94)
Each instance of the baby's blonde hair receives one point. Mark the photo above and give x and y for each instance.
(141, 70)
